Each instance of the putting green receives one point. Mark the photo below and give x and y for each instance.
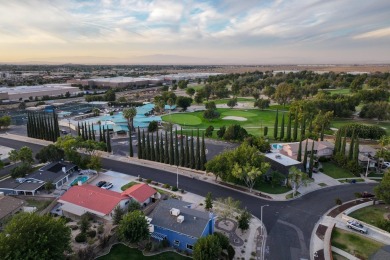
(239, 113)
(184, 119)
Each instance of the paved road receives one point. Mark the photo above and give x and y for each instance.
(289, 224)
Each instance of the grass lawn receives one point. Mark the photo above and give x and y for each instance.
(128, 185)
(267, 188)
(120, 251)
(322, 184)
(338, 257)
(290, 195)
(225, 100)
(343, 91)
(338, 122)
(371, 214)
(280, 107)
(354, 243)
(335, 171)
(357, 180)
(39, 204)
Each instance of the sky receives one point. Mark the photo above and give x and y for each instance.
(195, 31)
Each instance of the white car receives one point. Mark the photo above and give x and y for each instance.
(387, 164)
(107, 186)
(353, 224)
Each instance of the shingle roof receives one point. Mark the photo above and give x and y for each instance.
(8, 205)
(190, 226)
(140, 192)
(92, 197)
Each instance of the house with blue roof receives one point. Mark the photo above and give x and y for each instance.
(179, 224)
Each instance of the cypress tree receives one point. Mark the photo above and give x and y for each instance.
(86, 131)
(152, 149)
(337, 143)
(310, 123)
(108, 141)
(82, 131)
(28, 124)
(295, 132)
(299, 155)
(162, 157)
(56, 126)
(143, 143)
(93, 133)
(276, 125)
(311, 163)
(166, 150)
(89, 132)
(282, 128)
(31, 125)
(305, 156)
(131, 152)
(139, 147)
(41, 127)
(171, 149)
(177, 159)
(351, 146)
(187, 154)
(344, 144)
(322, 132)
(148, 147)
(356, 150)
(289, 128)
(182, 155)
(197, 154)
(265, 130)
(203, 158)
(303, 126)
(78, 129)
(104, 136)
(157, 150)
(50, 132)
(192, 151)
(45, 128)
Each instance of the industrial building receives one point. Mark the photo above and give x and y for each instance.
(25, 92)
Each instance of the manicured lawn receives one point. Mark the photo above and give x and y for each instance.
(290, 195)
(186, 119)
(225, 100)
(280, 107)
(39, 204)
(128, 185)
(335, 171)
(338, 122)
(343, 91)
(120, 251)
(354, 243)
(371, 214)
(267, 188)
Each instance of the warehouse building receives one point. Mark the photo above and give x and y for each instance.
(24, 92)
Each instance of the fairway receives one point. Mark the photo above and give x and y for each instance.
(240, 113)
(185, 119)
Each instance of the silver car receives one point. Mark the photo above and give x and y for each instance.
(353, 224)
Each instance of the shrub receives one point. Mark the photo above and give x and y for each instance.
(323, 159)
(80, 238)
(74, 227)
(100, 229)
(182, 190)
(174, 188)
(91, 233)
(149, 181)
(338, 201)
(148, 246)
(166, 186)
(363, 131)
(384, 224)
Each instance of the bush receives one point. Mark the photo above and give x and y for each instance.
(174, 188)
(166, 186)
(182, 191)
(149, 181)
(100, 229)
(80, 238)
(74, 227)
(323, 159)
(364, 131)
(384, 224)
(148, 246)
(153, 126)
(338, 201)
(91, 233)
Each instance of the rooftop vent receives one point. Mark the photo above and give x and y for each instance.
(175, 212)
(278, 156)
(180, 219)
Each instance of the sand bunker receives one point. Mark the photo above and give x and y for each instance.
(237, 118)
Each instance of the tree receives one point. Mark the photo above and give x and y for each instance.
(139, 145)
(276, 125)
(153, 126)
(227, 207)
(282, 128)
(22, 106)
(209, 131)
(232, 102)
(183, 102)
(382, 191)
(108, 141)
(109, 95)
(221, 131)
(5, 121)
(171, 149)
(50, 153)
(265, 130)
(208, 202)
(305, 156)
(295, 131)
(190, 91)
(118, 215)
(33, 236)
(288, 138)
(299, 155)
(192, 151)
(134, 205)
(197, 152)
(211, 111)
(133, 227)
(311, 162)
(85, 223)
(262, 103)
(259, 142)
(129, 115)
(283, 93)
(203, 159)
(297, 178)
(249, 174)
(207, 248)
(20, 171)
(24, 155)
(244, 220)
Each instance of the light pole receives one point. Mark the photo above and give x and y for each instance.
(261, 217)
(368, 164)
(177, 176)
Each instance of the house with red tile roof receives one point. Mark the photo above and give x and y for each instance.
(142, 193)
(88, 198)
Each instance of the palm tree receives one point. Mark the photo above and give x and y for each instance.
(129, 114)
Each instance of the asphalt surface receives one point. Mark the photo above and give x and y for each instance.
(289, 224)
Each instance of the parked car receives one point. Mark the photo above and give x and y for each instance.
(353, 224)
(107, 186)
(367, 195)
(101, 183)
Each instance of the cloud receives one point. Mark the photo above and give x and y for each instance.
(385, 32)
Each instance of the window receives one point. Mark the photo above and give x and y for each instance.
(190, 246)
(176, 242)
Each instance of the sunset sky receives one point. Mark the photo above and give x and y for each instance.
(195, 32)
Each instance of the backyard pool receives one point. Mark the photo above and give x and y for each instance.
(79, 178)
(277, 146)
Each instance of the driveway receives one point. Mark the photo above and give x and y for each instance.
(117, 179)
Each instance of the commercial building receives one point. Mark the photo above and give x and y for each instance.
(25, 92)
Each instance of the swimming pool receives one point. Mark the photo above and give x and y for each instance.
(277, 146)
(79, 178)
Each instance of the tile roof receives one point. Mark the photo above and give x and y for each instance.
(93, 198)
(8, 205)
(140, 192)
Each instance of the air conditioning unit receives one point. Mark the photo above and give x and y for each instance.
(175, 212)
(278, 156)
(180, 219)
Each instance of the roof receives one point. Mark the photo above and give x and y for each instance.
(92, 197)
(8, 205)
(140, 192)
(28, 185)
(191, 226)
(281, 159)
(52, 172)
(318, 145)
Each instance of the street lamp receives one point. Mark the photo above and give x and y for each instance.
(177, 176)
(261, 217)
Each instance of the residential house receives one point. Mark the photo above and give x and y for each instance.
(8, 207)
(94, 200)
(56, 173)
(282, 163)
(179, 224)
(142, 193)
(320, 149)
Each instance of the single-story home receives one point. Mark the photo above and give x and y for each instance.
(142, 193)
(89, 198)
(57, 173)
(9, 206)
(179, 224)
(321, 148)
(282, 163)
